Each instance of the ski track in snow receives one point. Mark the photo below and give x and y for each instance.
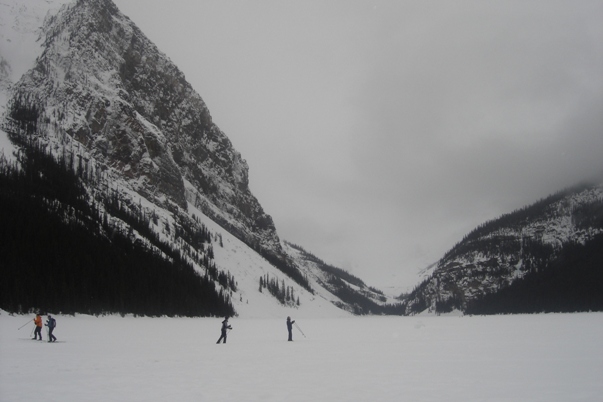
(548, 357)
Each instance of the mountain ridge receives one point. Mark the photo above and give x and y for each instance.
(501, 251)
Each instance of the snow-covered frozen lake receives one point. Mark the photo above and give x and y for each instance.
(554, 357)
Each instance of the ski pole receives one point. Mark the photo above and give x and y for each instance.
(302, 332)
(28, 322)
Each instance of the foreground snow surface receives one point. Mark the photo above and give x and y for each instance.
(556, 357)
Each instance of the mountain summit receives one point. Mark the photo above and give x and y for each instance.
(102, 84)
(113, 110)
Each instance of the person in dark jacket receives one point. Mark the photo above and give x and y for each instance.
(38, 331)
(225, 328)
(51, 323)
(290, 328)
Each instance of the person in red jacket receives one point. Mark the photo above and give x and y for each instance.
(38, 331)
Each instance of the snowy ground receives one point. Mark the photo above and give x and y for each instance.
(553, 357)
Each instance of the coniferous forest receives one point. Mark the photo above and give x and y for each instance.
(572, 282)
(60, 254)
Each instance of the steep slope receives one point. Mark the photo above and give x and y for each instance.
(112, 111)
(103, 84)
(503, 251)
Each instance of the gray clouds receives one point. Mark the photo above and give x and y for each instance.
(378, 133)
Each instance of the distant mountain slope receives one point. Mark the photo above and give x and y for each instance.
(571, 282)
(344, 290)
(521, 249)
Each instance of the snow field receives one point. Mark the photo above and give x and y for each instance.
(557, 357)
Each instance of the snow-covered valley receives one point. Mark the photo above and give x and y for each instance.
(547, 357)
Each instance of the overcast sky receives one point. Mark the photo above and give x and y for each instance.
(379, 133)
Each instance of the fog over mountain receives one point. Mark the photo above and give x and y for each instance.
(378, 133)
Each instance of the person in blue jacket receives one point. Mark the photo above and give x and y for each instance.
(51, 323)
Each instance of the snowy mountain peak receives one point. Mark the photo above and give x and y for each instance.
(103, 101)
(102, 83)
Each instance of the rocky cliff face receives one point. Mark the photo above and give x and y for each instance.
(501, 251)
(101, 85)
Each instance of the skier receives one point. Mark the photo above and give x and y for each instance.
(290, 328)
(51, 323)
(38, 331)
(225, 328)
